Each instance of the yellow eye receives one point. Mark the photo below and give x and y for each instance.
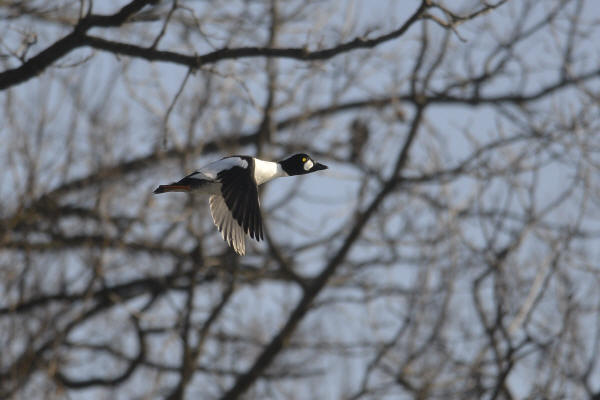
(303, 159)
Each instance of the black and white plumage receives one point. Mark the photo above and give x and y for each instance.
(232, 183)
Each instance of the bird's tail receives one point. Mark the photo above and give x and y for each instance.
(172, 188)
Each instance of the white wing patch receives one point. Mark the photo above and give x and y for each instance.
(211, 170)
(230, 230)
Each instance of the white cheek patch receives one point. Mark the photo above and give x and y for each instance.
(308, 165)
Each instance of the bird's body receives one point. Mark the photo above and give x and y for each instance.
(232, 183)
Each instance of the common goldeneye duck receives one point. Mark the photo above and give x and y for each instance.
(232, 183)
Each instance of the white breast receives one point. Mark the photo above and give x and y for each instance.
(264, 171)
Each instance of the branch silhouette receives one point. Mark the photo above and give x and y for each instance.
(78, 38)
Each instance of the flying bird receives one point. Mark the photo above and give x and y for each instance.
(232, 183)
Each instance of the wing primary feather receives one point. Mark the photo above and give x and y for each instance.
(231, 231)
(230, 237)
(255, 226)
(246, 216)
(260, 226)
(259, 230)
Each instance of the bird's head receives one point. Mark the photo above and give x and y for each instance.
(300, 164)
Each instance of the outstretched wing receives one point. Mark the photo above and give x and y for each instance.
(230, 230)
(240, 193)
